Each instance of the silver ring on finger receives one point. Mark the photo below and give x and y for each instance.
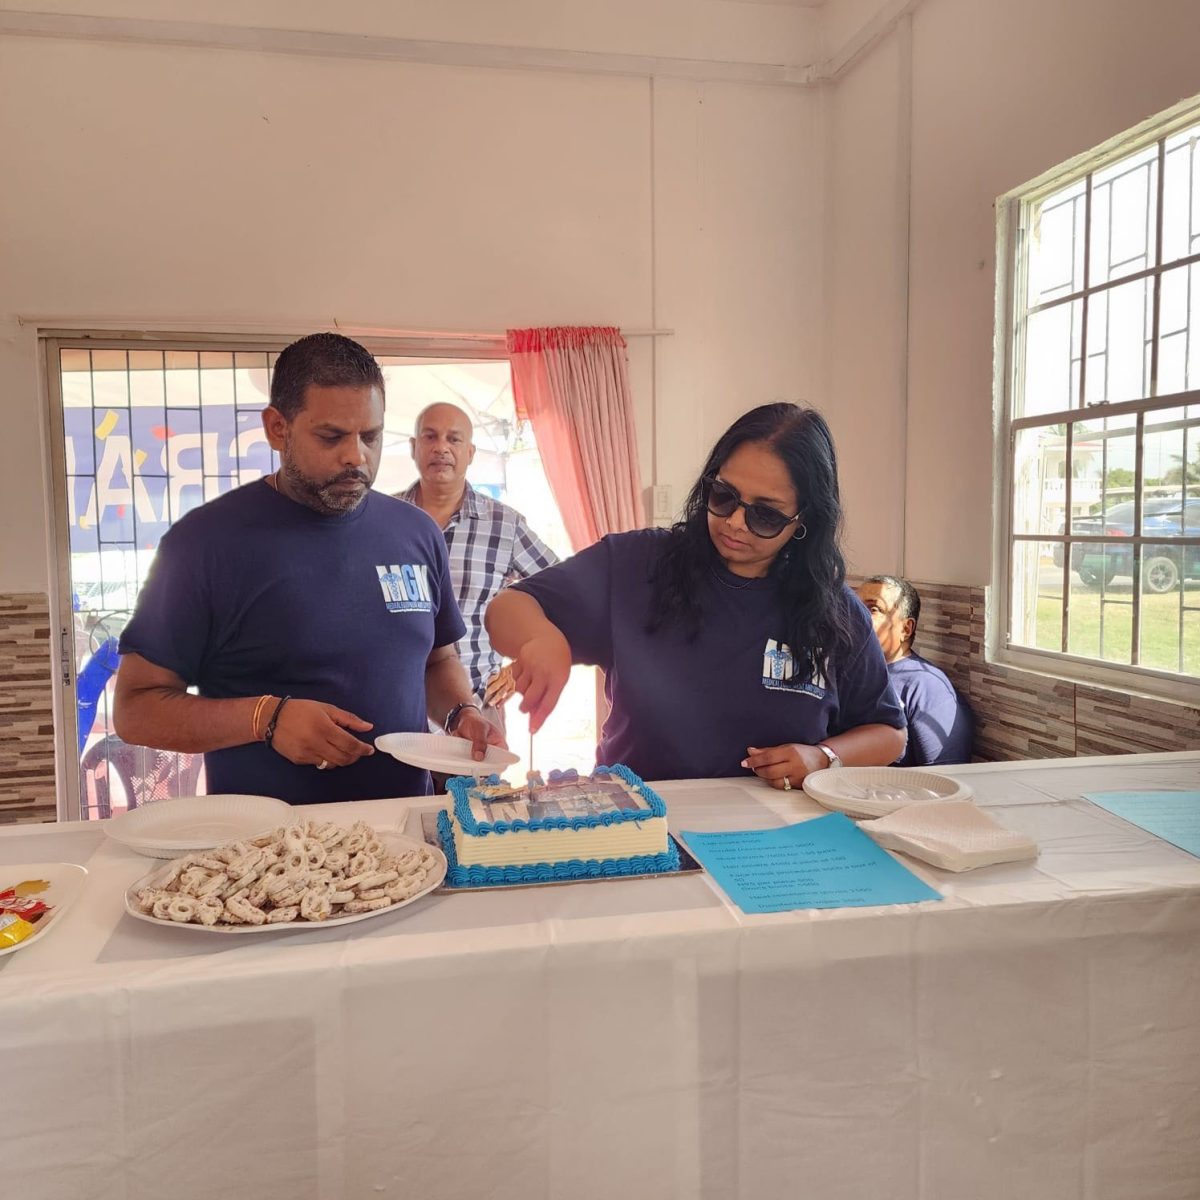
(322, 764)
(787, 784)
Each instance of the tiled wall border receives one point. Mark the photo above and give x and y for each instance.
(26, 709)
(1023, 715)
(1018, 714)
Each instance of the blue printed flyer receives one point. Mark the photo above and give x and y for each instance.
(827, 862)
(1172, 816)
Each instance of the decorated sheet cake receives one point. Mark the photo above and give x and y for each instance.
(570, 826)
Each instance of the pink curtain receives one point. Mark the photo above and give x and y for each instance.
(572, 382)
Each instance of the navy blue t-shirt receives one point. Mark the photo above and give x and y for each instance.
(689, 710)
(255, 593)
(939, 723)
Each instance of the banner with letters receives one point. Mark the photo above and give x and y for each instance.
(132, 472)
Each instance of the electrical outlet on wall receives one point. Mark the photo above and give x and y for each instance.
(661, 508)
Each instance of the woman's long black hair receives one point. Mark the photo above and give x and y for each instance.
(809, 574)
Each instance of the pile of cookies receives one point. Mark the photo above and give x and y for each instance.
(310, 871)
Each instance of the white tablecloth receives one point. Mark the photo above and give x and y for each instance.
(1036, 1034)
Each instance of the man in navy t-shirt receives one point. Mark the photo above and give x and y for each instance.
(939, 723)
(305, 609)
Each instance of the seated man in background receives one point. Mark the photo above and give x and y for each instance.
(939, 723)
(489, 544)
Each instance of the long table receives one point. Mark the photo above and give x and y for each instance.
(1034, 1034)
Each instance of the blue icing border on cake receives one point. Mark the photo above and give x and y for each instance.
(574, 869)
(460, 788)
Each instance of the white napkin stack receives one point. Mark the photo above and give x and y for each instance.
(951, 834)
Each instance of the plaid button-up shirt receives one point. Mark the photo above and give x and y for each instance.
(490, 545)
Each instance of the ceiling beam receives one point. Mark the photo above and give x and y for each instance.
(376, 47)
(380, 48)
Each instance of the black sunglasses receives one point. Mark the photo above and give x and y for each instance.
(761, 519)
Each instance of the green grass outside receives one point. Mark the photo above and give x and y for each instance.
(1101, 624)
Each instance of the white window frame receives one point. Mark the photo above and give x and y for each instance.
(1010, 286)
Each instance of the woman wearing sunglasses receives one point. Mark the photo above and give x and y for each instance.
(730, 641)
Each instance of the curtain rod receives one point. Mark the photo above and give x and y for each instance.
(450, 335)
(79, 325)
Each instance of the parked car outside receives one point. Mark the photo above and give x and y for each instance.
(1163, 565)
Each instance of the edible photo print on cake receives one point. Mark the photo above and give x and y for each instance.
(566, 798)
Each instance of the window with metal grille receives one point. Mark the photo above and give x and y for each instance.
(1101, 549)
(141, 436)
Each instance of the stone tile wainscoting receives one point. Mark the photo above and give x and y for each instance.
(1022, 715)
(26, 709)
(1018, 714)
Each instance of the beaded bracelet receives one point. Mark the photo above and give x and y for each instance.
(270, 734)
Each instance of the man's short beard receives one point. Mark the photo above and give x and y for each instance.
(318, 494)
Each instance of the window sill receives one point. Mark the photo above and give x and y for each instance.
(1131, 681)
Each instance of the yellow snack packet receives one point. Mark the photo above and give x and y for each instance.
(13, 929)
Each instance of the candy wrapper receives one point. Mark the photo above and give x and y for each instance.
(13, 929)
(22, 900)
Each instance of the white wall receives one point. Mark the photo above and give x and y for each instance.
(865, 294)
(767, 225)
(738, 235)
(1001, 93)
(167, 183)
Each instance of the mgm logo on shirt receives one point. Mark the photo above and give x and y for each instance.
(781, 672)
(406, 587)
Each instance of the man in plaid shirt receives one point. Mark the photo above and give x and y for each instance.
(489, 543)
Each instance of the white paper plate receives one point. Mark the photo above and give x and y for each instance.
(171, 828)
(877, 791)
(447, 755)
(394, 840)
(65, 880)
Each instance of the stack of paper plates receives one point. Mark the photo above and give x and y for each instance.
(877, 791)
(169, 828)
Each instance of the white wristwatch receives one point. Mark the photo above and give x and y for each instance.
(830, 754)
